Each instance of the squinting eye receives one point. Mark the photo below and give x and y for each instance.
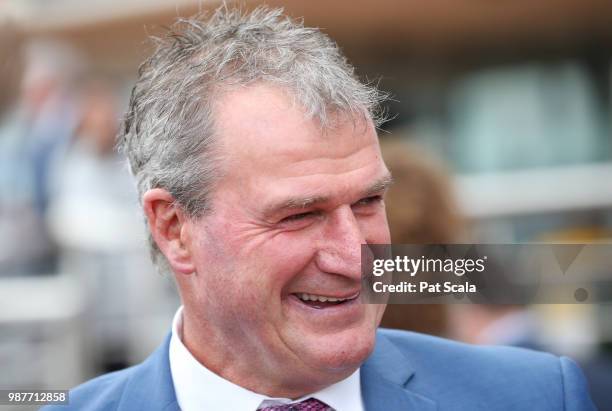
(297, 217)
(368, 200)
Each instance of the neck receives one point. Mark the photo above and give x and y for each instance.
(248, 368)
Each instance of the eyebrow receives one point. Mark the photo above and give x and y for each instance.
(294, 203)
(379, 186)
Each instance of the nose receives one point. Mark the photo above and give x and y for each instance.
(340, 246)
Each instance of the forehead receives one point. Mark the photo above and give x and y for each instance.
(263, 130)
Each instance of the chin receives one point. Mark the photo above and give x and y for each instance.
(343, 353)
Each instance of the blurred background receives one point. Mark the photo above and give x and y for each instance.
(501, 134)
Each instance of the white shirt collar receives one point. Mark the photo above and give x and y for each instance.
(198, 388)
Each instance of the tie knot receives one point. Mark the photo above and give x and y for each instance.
(311, 404)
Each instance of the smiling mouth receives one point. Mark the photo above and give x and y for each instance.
(321, 301)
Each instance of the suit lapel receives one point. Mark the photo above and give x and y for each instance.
(384, 381)
(150, 387)
(385, 377)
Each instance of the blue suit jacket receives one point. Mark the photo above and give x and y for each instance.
(406, 371)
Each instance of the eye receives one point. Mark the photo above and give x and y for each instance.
(369, 201)
(298, 217)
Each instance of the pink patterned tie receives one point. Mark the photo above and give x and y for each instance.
(311, 404)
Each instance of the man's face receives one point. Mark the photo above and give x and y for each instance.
(288, 219)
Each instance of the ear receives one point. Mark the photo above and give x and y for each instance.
(169, 228)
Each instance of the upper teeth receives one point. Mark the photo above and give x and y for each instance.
(312, 297)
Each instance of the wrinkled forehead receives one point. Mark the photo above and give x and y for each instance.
(266, 123)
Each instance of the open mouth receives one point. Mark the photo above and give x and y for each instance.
(321, 301)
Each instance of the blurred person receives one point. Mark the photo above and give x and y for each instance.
(91, 174)
(99, 118)
(51, 109)
(421, 209)
(93, 218)
(12, 149)
(33, 138)
(24, 246)
(260, 174)
(421, 202)
(11, 66)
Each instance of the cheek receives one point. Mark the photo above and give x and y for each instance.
(283, 257)
(376, 229)
(229, 292)
(253, 265)
(254, 273)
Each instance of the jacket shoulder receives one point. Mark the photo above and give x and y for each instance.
(426, 352)
(146, 386)
(437, 349)
(447, 369)
(99, 394)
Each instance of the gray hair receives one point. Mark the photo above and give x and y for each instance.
(168, 134)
